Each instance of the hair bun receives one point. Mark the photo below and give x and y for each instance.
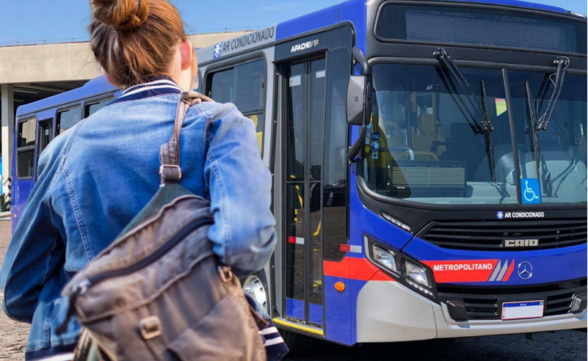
(120, 14)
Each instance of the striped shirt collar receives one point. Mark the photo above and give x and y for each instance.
(160, 85)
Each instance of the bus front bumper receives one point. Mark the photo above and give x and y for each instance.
(390, 312)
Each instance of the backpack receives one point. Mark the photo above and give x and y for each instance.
(158, 292)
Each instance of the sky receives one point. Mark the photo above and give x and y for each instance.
(51, 21)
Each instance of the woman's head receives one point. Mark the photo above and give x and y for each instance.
(135, 40)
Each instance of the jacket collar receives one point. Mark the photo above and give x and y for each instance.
(159, 85)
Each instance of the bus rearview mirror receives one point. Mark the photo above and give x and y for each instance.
(356, 100)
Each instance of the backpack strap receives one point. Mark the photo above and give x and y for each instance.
(169, 155)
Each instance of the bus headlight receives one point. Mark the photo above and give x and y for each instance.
(416, 273)
(384, 258)
(401, 267)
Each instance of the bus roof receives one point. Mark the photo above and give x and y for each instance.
(320, 19)
(331, 16)
(323, 16)
(92, 88)
(516, 3)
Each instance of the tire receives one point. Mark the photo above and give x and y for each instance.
(255, 287)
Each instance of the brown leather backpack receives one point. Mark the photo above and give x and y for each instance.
(159, 292)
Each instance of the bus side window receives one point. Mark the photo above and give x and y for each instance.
(67, 119)
(44, 137)
(244, 86)
(94, 107)
(249, 95)
(221, 88)
(25, 148)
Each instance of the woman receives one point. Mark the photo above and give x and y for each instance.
(97, 176)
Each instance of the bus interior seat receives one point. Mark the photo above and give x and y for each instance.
(396, 142)
(425, 138)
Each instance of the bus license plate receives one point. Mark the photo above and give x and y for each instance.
(522, 310)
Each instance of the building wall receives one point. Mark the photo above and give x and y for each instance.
(67, 61)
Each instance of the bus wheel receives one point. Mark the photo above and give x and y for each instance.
(254, 287)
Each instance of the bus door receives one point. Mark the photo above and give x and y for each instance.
(304, 140)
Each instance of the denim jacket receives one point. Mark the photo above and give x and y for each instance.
(93, 179)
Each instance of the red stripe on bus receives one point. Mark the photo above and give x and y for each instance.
(356, 269)
(462, 270)
(509, 272)
(381, 276)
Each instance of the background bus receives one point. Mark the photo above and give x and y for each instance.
(429, 163)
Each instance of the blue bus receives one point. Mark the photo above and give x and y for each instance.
(429, 165)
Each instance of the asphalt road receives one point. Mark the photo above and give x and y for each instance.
(557, 346)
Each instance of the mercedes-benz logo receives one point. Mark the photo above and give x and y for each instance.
(525, 270)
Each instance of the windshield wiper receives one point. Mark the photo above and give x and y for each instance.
(562, 65)
(543, 122)
(534, 127)
(488, 129)
(480, 124)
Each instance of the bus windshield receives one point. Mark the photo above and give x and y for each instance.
(424, 142)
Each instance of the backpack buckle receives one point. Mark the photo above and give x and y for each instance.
(225, 273)
(150, 327)
(166, 176)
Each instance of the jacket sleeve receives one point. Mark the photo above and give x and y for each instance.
(240, 193)
(34, 253)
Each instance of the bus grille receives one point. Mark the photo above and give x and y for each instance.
(485, 303)
(491, 235)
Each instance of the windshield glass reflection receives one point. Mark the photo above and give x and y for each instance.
(421, 145)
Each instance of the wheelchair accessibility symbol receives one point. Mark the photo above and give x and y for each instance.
(531, 191)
